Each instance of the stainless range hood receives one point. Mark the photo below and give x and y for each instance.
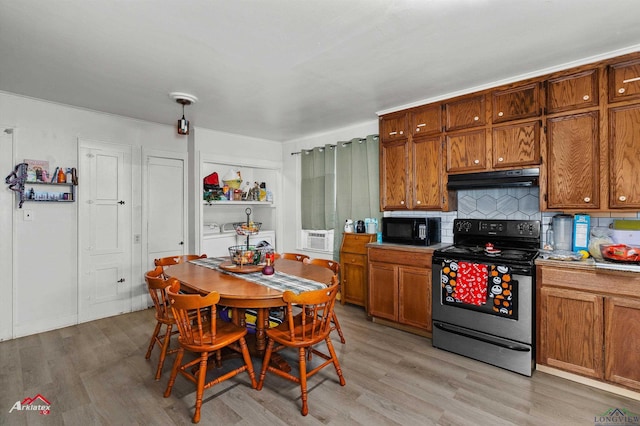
(497, 179)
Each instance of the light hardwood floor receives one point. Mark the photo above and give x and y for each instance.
(95, 373)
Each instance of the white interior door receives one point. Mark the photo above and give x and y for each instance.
(105, 229)
(166, 202)
(7, 201)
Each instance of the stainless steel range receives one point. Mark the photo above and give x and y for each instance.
(483, 292)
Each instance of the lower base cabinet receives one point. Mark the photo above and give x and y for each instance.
(589, 324)
(400, 287)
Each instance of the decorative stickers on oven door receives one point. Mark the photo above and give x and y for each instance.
(475, 286)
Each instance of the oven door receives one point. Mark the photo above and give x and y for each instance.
(475, 332)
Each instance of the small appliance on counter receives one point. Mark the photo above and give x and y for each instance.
(420, 231)
(563, 232)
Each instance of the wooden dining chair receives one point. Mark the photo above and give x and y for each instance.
(202, 335)
(157, 286)
(294, 256)
(174, 260)
(303, 331)
(335, 267)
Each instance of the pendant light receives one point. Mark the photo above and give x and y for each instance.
(183, 99)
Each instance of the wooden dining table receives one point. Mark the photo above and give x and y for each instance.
(239, 293)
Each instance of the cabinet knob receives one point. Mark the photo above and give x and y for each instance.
(418, 202)
(393, 133)
(401, 132)
(420, 125)
(622, 198)
(621, 90)
(500, 114)
(587, 199)
(476, 118)
(585, 97)
(402, 202)
(500, 159)
(417, 129)
(476, 161)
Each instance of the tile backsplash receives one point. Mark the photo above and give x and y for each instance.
(500, 203)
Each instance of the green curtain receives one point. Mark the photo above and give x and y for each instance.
(318, 189)
(357, 183)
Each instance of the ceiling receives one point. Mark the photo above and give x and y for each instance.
(283, 69)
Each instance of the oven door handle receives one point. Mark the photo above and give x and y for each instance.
(462, 332)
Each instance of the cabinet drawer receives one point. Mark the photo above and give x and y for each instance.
(624, 81)
(572, 91)
(400, 257)
(356, 243)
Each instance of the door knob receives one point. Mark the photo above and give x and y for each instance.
(121, 202)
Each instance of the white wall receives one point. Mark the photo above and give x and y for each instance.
(46, 248)
(291, 177)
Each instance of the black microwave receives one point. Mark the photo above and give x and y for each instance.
(419, 231)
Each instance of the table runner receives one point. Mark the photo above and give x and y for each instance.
(278, 281)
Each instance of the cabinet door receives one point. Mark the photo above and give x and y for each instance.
(516, 145)
(354, 278)
(383, 291)
(624, 162)
(428, 173)
(414, 297)
(394, 175)
(624, 81)
(571, 332)
(466, 151)
(426, 120)
(622, 338)
(572, 91)
(516, 103)
(468, 112)
(393, 126)
(573, 176)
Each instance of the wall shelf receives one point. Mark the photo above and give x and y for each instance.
(49, 192)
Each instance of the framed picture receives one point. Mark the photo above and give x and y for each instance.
(37, 171)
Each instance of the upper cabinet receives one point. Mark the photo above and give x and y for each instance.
(394, 175)
(624, 81)
(426, 120)
(516, 103)
(516, 145)
(466, 151)
(393, 126)
(465, 112)
(573, 91)
(624, 162)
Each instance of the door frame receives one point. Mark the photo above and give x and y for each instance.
(8, 263)
(144, 237)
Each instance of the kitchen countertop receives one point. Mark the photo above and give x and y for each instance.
(590, 264)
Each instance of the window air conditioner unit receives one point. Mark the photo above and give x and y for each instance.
(317, 240)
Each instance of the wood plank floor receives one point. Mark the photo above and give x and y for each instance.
(95, 373)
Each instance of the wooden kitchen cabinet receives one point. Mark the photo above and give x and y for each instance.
(589, 323)
(412, 175)
(393, 126)
(516, 103)
(466, 151)
(571, 325)
(353, 268)
(395, 163)
(465, 112)
(573, 161)
(426, 120)
(516, 145)
(573, 91)
(624, 81)
(624, 162)
(400, 287)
